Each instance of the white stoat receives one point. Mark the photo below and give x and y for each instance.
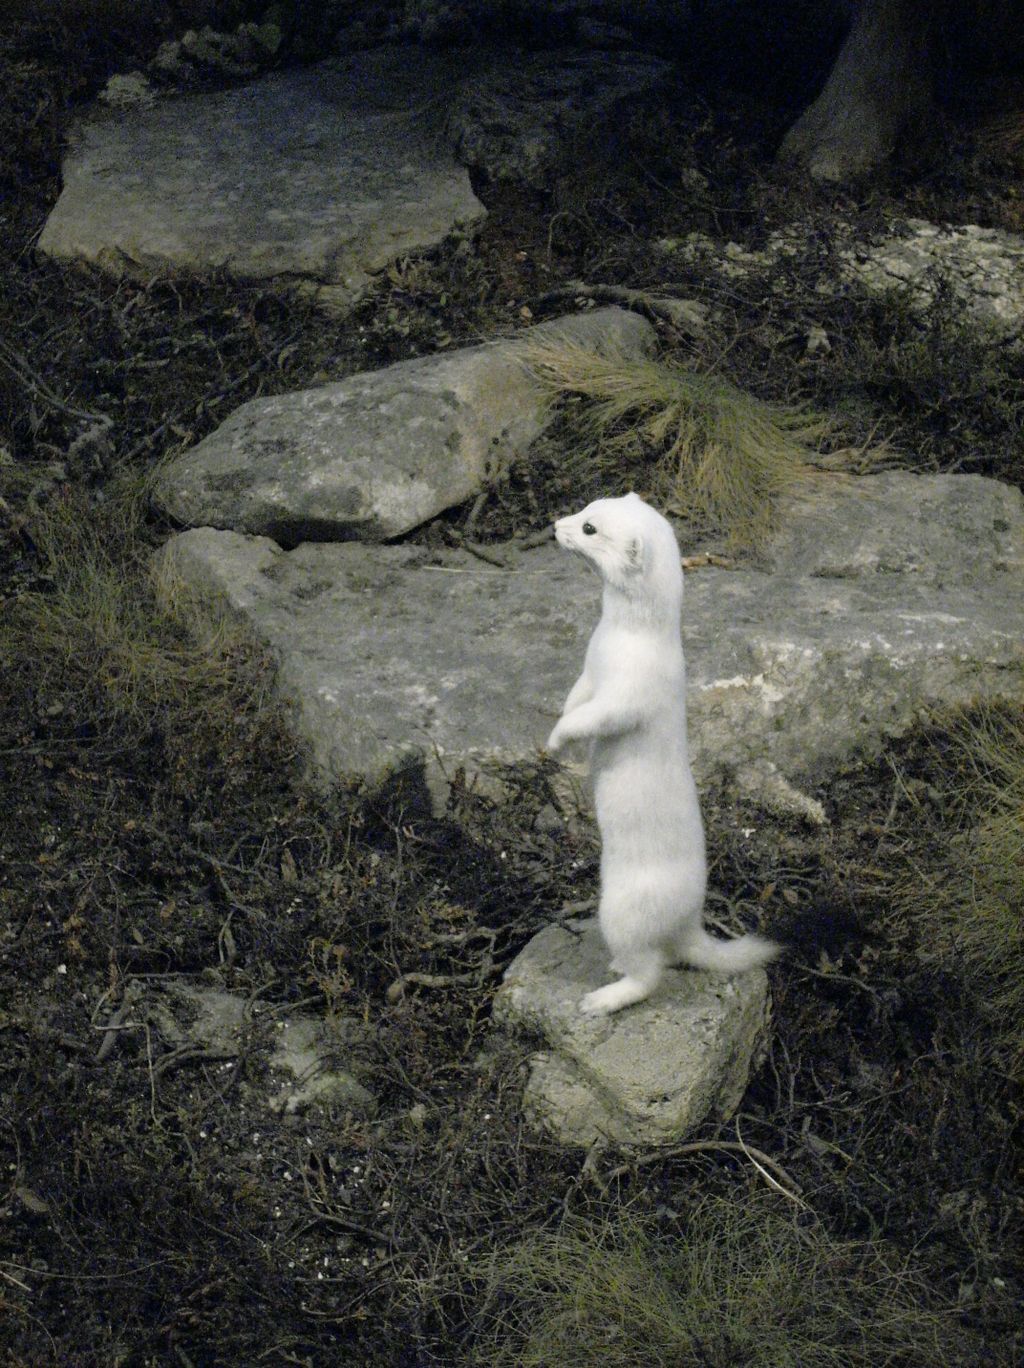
(630, 704)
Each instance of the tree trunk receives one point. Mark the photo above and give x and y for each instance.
(879, 85)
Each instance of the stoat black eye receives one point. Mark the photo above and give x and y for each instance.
(589, 529)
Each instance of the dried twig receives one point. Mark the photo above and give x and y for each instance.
(684, 314)
(531, 539)
(211, 397)
(475, 976)
(575, 909)
(117, 1023)
(16, 1281)
(475, 549)
(35, 384)
(473, 517)
(318, 1202)
(487, 933)
(185, 1054)
(756, 1156)
(705, 558)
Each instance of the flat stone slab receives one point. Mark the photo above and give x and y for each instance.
(376, 454)
(325, 174)
(883, 597)
(649, 1074)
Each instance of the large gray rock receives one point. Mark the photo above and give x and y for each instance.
(647, 1076)
(378, 453)
(881, 598)
(325, 175)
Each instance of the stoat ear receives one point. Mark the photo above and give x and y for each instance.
(635, 552)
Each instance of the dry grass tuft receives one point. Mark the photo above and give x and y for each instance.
(973, 914)
(711, 453)
(96, 631)
(737, 1283)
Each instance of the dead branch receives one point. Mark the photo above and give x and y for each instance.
(758, 1157)
(475, 549)
(35, 384)
(684, 314)
(475, 976)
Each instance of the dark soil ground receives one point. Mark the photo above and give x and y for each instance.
(152, 1210)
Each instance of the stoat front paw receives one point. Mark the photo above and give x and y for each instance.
(556, 740)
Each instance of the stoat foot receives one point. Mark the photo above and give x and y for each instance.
(614, 996)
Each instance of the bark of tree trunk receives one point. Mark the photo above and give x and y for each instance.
(880, 84)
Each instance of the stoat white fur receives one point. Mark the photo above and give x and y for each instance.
(630, 704)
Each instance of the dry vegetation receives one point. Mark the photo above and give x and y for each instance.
(155, 822)
(726, 1283)
(96, 628)
(970, 908)
(695, 444)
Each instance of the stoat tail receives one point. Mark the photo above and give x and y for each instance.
(704, 951)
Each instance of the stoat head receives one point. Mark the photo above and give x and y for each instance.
(630, 545)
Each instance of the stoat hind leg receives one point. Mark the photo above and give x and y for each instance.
(640, 978)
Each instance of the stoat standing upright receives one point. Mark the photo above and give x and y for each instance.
(630, 704)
